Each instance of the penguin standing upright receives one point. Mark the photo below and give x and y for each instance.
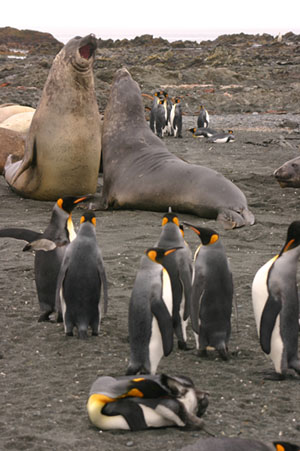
(176, 119)
(203, 118)
(59, 232)
(80, 279)
(276, 305)
(212, 292)
(180, 272)
(150, 318)
(167, 106)
(154, 110)
(145, 402)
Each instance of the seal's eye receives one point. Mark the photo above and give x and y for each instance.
(86, 51)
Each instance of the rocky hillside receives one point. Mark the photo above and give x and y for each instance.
(237, 73)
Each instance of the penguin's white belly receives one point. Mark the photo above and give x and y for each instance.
(259, 298)
(161, 416)
(155, 346)
(260, 291)
(276, 346)
(156, 350)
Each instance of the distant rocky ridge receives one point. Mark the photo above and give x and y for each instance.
(14, 41)
(237, 73)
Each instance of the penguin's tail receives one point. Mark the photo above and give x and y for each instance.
(136, 368)
(223, 351)
(82, 334)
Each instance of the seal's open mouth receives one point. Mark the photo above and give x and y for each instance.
(86, 51)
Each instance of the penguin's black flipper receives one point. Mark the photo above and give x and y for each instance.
(267, 322)
(197, 294)
(165, 323)
(131, 411)
(103, 278)
(20, 234)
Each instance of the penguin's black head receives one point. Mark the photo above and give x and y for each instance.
(68, 203)
(207, 236)
(157, 254)
(293, 237)
(89, 216)
(285, 446)
(192, 130)
(165, 94)
(230, 132)
(170, 217)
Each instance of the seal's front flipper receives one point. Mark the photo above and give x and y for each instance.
(231, 219)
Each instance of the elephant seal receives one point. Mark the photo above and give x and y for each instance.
(140, 173)
(19, 122)
(10, 142)
(288, 175)
(63, 145)
(9, 109)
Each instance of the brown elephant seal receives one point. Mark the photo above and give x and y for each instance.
(19, 122)
(140, 173)
(9, 109)
(10, 142)
(63, 145)
(288, 175)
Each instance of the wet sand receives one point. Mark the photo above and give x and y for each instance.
(45, 376)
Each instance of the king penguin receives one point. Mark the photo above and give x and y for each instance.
(150, 318)
(212, 292)
(276, 305)
(180, 273)
(80, 279)
(176, 119)
(222, 137)
(145, 402)
(56, 236)
(203, 118)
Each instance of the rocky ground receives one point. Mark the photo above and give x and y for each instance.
(45, 377)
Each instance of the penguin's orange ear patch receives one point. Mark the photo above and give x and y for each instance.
(213, 238)
(60, 202)
(94, 221)
(152, 255)
(82, 219)
(170, 251)
(175, 220)
(280, 447)
(164, 221)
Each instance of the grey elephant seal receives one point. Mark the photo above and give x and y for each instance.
(63, 145)
(139, 172)
(288, 175)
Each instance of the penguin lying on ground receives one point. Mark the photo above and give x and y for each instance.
(276, 305)
(179, 267)
(222, 137)
(202, 132)
(80, 279)
(212, 292)
(145, 402)
(239, 444)
(57, 235)
(150, 318)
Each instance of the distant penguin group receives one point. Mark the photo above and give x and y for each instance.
(166, 116)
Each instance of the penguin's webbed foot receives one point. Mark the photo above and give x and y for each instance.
(44, 316)
(183, 346)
